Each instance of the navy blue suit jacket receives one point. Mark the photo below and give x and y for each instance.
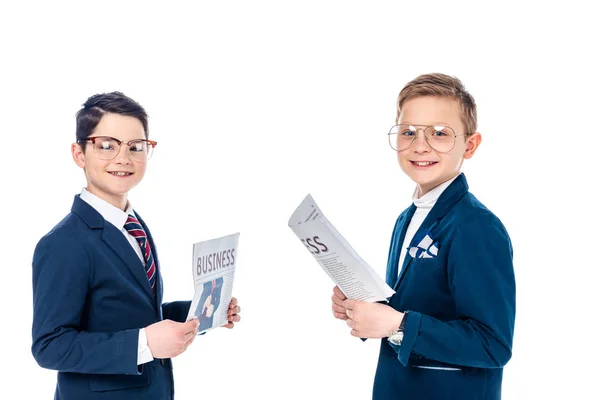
(460, 303)
(90, 298)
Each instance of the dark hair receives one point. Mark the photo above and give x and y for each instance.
(96, 106)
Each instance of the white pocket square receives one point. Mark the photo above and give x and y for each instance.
(426, 248)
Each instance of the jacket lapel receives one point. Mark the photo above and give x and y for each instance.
(115, 240)
(446, 201)
(407, 260)
(159, 288)
(397, 239)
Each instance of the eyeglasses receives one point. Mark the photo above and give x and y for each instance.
(439, 137)
(107, 148)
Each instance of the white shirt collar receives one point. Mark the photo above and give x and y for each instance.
(109, 212)
(428, 200)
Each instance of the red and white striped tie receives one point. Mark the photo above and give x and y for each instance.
(136, 230)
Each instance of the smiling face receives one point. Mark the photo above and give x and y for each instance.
(111, 180)
(425, 166)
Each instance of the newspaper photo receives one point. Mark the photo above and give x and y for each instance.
(355, 278)
(213, 268)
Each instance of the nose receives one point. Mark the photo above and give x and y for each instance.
(420, 145)
(122, 156)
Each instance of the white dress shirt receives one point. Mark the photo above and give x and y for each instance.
(424, 205)
(118, 218)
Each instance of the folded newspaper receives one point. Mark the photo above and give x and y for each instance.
(213, 269)
(355, 278)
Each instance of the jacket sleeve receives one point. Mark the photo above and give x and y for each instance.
(176, 311)
(481, 278)
(61, 277)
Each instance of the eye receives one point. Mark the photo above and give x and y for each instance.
(105, 145)
(407, 132)
(137, 146)
(440, 131)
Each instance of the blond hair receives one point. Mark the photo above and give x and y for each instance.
(441, 85)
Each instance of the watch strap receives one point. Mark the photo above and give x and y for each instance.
(403, 322)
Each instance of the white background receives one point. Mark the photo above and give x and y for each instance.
(255, 104)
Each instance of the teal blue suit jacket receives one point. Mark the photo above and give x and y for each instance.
(90, 298)
(459, 292)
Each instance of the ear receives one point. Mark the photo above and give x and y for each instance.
(78, 155)
(473, 142)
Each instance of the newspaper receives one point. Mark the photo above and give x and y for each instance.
(355, 278)
(213, 268)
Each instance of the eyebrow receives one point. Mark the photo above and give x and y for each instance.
(112, 137)
(434, 124)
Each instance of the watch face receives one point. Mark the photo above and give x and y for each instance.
(396, 338)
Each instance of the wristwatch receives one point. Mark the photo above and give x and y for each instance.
(395, 337)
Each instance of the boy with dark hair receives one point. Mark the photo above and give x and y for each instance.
(98, 315)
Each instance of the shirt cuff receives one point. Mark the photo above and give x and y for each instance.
(144, 353)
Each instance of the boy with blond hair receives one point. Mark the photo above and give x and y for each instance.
(447, 332)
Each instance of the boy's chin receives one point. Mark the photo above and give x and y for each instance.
(123, 188)
(428, 182)
(424, 177)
